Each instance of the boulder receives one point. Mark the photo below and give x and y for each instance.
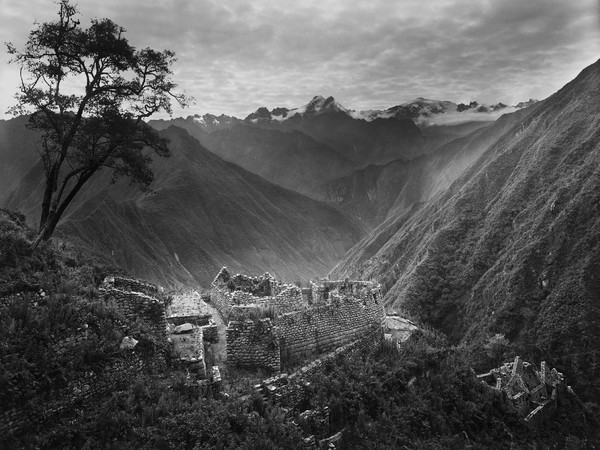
(184, 328)
(128, 343)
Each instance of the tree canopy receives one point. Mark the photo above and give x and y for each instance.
(88, 92)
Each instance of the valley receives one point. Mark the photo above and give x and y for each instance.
(423, 275)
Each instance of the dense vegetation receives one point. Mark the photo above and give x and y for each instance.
(512, 246)
(424, 395)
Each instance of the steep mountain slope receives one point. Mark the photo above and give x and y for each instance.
(376, 192)
(304, 148)
(292, 160)
(202, 213)
(17, 153)
(513, 245)
(193, 127)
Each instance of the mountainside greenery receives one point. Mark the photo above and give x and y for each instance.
(378, 192)
(512, 247)
(422, 395)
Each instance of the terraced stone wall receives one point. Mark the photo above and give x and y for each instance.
(305, 334)
(253, 344)
(298, 335)
(31, 416)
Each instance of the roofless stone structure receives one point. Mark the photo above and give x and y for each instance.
(272, 325)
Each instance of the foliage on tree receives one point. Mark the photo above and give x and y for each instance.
(88, 91)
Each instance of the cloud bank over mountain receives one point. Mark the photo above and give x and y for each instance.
(233, 58)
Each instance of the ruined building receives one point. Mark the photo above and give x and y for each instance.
(143, 302)
(136, 300)
(534, 393)
(272, 325)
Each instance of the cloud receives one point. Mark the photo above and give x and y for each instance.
(236, 56)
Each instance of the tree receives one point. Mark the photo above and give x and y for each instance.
(88, 91)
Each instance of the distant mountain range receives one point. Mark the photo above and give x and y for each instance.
(421, 110)
(318, 148)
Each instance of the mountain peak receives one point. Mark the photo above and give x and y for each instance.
(320, 104)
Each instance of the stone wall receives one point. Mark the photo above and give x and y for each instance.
(322, 329)
(138, 306)
(533, 393)
(32, 416)
(253, 344)
(196, 319)
(133, 285)
(250, 311)
(288, 298)
(299, 335)
(323, 291)
(304, 323)
(211, 333)
(265, 285)
(135, 303)
(289, 390)
(32, 299)
(221, 299)
(190, 350)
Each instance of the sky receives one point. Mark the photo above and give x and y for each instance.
(235, 56)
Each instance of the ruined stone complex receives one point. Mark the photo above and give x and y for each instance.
(534, 393)
(138, 301)
(272, 325)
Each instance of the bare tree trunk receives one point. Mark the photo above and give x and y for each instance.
(53, 217)
(42, 236)
(47, 201)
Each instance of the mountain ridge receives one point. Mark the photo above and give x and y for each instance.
(202, 213)
(422, 110)
(512, 245)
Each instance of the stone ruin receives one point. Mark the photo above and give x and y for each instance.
(272, 325)
(398, 329)
(137, 300)
(534, 393)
